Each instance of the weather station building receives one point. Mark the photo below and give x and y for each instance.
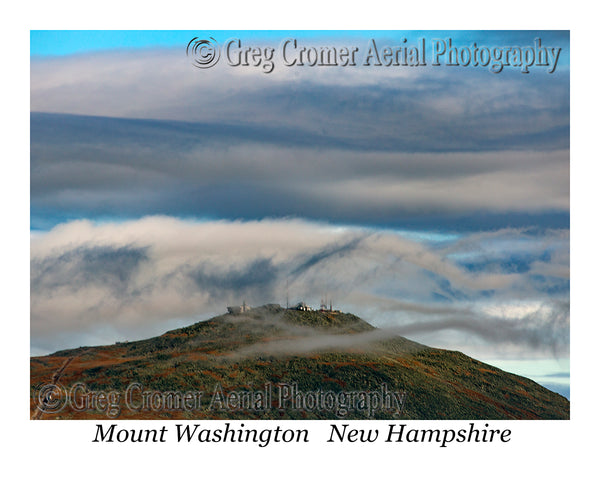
(237, 309)
(302, 307)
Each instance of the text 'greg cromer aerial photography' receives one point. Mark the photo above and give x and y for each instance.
(246, 225)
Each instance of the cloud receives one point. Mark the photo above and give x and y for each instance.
(108, 266)
(427, 109)
(493, 330)
(83, 166)
(143, 135)
(96, 281)
(146, 133)
(548, 330)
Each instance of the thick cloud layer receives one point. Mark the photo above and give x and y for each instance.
(93, 283)
(149, 134)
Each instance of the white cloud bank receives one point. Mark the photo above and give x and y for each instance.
(93, 283)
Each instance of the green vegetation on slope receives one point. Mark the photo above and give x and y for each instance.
(314, 351)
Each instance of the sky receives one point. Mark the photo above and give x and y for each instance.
(432, 201)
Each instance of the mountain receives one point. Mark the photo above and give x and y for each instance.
(275, 363)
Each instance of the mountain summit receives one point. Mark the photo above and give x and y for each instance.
(271, 362)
